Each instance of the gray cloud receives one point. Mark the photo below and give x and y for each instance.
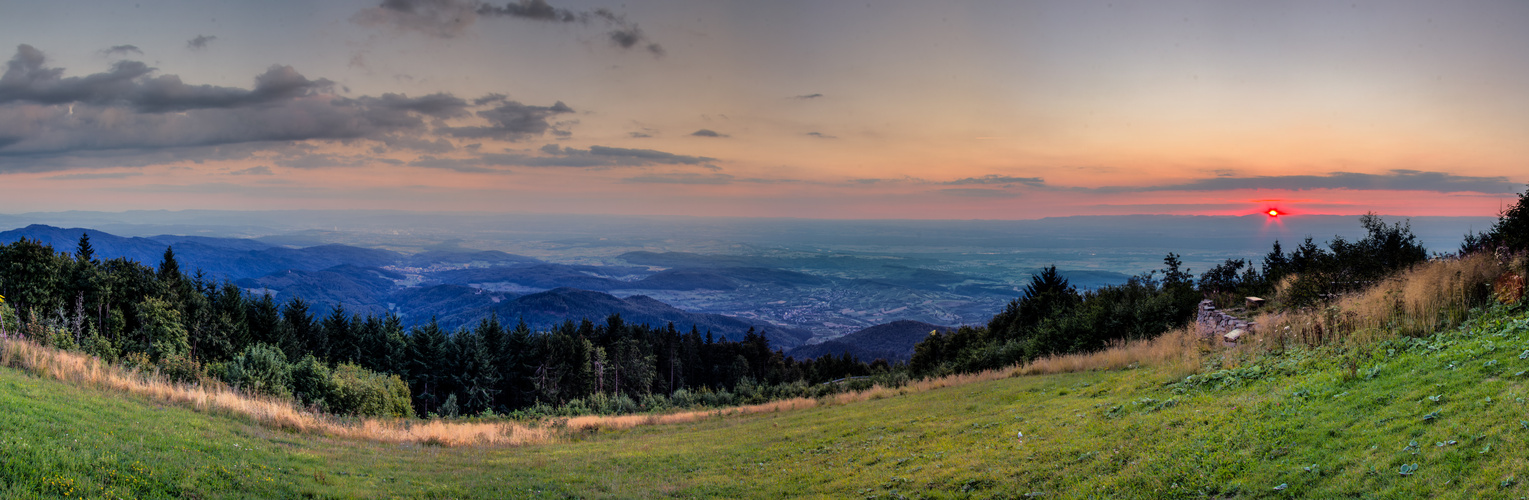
(513, 120)
(997, 179)
(1399, 180)
(200, 42)
(682, 178)
(978, 193)
(821, 135)
(538, 10)
(121, 50)
(102, 175)
(256, 170)
(437, 18)
(456, 164)
(168, 93)
(137, 115)
(437, 105)
(648, 155)
(128, 83)
(452, 18)
(706, 132)
(598, 156)
(808, 96)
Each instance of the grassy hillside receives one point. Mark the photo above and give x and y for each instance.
(1314, 423)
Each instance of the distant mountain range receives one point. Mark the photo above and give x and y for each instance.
(370, 281)
(219, 258)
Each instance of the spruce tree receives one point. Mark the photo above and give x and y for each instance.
(476, 377)
(169, 269)
(426, 360)
(264, 320)
(337, 340)
(297, 328)
(83, 252)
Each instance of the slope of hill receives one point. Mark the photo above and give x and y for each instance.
(357, 288)
(1437, 416)
(890, 341)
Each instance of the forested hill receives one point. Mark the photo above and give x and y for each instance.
(553, 306)
(232, 258)
(892, 341)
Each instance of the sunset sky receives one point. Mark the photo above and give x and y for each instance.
(872, 109)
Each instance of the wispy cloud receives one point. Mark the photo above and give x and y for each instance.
(121, 50)
(452, 18)
(706, 132)
(1394, 180)
(998, 179)
(94, 175)
(682, 178)
(256, 170)
(198, 43)
(978, 192)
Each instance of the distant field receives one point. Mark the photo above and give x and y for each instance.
(1330, 423)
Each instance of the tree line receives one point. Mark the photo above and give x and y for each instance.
(189, 327)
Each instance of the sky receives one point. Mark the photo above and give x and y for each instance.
(815, 109)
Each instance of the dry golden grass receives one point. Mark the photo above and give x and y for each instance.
(89, 371)
(1430, 296)
(1179, 350)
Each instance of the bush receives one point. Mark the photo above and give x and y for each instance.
(99, 346)
(682, 398)
(654, 402)
(312, 382)
(260, 369)
(358, 391)
(180, 368)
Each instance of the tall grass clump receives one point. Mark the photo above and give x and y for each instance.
(1417, 301)
(1180, 351)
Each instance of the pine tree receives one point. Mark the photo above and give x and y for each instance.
(169, 269)
(476, 376)
(264, 320)
(297, 329)
(337, 341)
(427, 351)
(83, 252)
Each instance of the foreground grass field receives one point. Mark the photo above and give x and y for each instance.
(1444, 415)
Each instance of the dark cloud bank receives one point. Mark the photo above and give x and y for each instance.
(129, 115)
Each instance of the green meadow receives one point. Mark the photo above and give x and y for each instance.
(1443, 415)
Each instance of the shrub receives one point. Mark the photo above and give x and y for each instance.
(654, 402)
(312, 382)
(358, 391)
(261, 369)
(180, 368)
